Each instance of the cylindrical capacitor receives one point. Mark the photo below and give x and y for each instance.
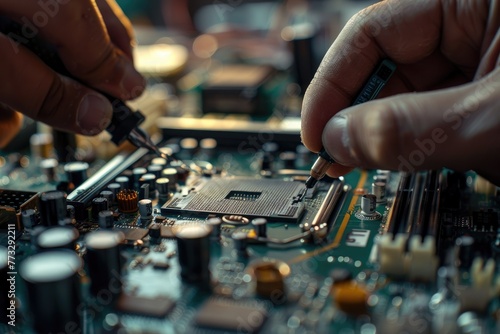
(380, 178)
(124, 182)
(267, 161)
(171, 174)
(49, 168)
(155, 232)
(155, 170)
(76, 172)
(28, 218)
(260, 226)
(182, 171)
(188, 147)
(52, 208)
(57, 237)
(368, 204)
(378, 189)
(146, 209)
(148, 179)
(163, 187)
(6, 308)
(53, 290)
(159, 162)
(104, 262)
(215, 224)
(240, 243)
(193, 247)
(137, 174)
(106, 219)
(99, 204)
(108, 195)
(465, 245)
(115, 189)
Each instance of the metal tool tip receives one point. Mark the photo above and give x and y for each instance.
(311, 181)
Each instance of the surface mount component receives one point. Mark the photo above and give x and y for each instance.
(272, 199)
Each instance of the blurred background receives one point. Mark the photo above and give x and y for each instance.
(231, 71)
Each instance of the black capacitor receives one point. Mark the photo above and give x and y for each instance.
(28, 218)
(57, 237)
(159, 162)
(155, 170)
(114, 188)
(155, 231)
(52, 208)
(124, 182)
(108, 195)
(53, 290)
(99, 204)
(193, 247)
(163, 186)
(137, 174)
(6, 308)
(106, 219)
(64, 145)
(171, 174)
(260, 226)
(104, 262)
(240, 243)
(182, 171)
(146, 209)
(149, 179)
(76, 172)
(49, 168)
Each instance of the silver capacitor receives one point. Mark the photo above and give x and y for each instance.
(378, 189)
(368, 205)
(146, 209)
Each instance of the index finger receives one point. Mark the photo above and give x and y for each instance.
(77, 30)
(408, 32)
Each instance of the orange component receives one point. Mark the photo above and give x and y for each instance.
(127, 201)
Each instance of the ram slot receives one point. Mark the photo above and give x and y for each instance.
(397, 219)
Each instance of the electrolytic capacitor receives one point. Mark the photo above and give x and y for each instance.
(208, 147)
(171, 174)
(49, 168)
(137, 174)
(99, 204)
(76, 172)
(57, 237)
(104, 262)
(188, 147)
(193, 247)
(124, 182)
(159, 162)
(106, 219)
(42, 145)
(182, 171)
(148, 179)
(240, 241)
(378, 189)
(108, 195)
(115, 189)
(368, 204)
(146, 209)
(163, 187)
(288, 159)
(53, 290)
(155, 170)
(52, 208)
(260, 226)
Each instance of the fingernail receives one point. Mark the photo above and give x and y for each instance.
(94, 114)
(337, 142)
(133, 82)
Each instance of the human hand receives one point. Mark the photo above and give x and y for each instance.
(436, 45)
(94, 40)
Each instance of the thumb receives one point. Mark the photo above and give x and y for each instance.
(458, 128)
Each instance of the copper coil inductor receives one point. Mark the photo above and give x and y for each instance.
(127, 200)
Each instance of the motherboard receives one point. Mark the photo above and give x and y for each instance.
(219, 240)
